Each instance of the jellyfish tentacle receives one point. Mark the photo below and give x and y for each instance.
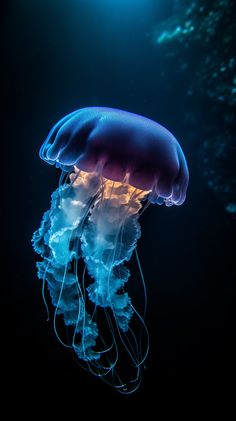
(43, 292)
(56, 312)
(142, 318)
(97, 220)
(62, 224)
(104, 252)
(135, 356)
(122, 333)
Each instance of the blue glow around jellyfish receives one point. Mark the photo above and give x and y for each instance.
(92, 229)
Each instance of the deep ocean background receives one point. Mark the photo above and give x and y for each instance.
(63, 55)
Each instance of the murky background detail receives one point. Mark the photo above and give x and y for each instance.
(170, 60)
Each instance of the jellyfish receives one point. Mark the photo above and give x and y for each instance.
(114, 164)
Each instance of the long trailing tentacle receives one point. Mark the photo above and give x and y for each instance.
(109, 239)
(95, 219)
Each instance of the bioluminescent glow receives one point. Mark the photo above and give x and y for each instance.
(112, 161)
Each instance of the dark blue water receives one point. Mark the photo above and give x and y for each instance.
(64, 55)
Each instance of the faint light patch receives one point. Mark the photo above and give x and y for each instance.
(197, 43)
(231, 208)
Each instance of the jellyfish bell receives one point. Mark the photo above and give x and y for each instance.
(116, 143)
(115, 161)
